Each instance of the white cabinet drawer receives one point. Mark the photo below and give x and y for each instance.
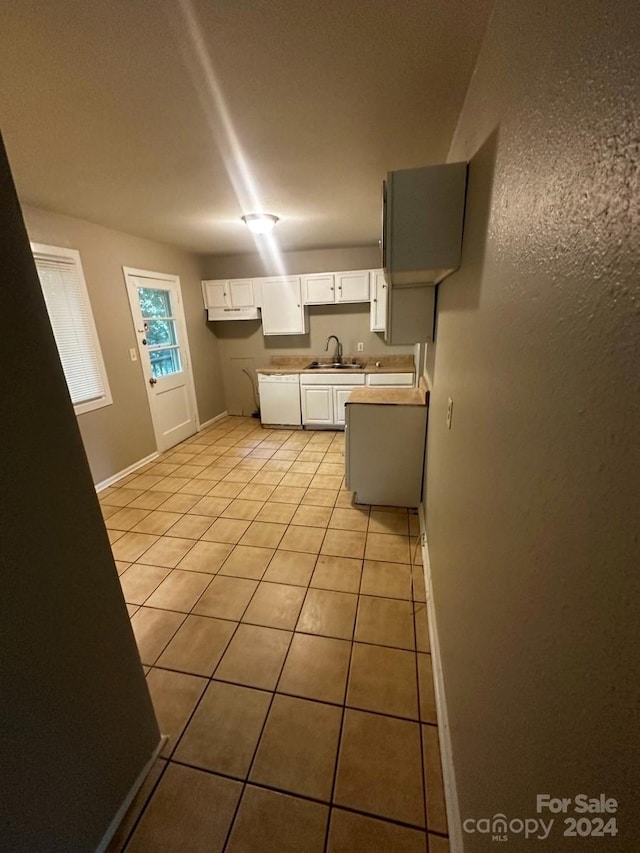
(334, 378)
(390, 379)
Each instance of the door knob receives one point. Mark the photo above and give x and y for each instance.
(153, 381)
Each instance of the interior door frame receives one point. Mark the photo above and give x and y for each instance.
(134, 306)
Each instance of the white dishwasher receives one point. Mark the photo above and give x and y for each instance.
(279, 398)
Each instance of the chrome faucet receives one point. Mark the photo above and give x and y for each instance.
(338, 356)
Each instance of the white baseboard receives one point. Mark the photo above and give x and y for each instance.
(212, 421)
(111, 480)
(117, 820)
(444, 732)
(136, 465)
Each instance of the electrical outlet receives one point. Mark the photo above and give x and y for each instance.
(133, 354)
(449, 412)
(360, 346)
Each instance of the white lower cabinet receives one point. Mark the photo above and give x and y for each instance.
(323, 397)
(317, 405)
(340, 397)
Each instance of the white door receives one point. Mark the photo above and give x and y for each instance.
(158, 318)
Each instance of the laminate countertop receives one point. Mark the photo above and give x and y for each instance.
(390, 396)
(372, 364)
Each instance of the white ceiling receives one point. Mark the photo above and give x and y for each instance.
(170, 118)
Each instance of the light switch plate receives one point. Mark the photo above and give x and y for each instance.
(449, 412)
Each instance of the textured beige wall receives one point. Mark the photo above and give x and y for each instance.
(77, 722)
(532, 497)
(119, 435)
(242, 344)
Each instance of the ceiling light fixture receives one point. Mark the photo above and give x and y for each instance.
(260, 223)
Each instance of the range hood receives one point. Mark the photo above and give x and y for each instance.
(250, 313)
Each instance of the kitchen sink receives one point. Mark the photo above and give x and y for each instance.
(344, 365)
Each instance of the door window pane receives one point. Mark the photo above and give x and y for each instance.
(154, 302)
(164, 361)
(161, 333)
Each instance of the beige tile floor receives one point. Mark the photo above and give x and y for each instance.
(283, 630)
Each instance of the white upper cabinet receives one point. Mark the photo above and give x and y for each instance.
(379, 293)
(241, 293)
(282, 310)
(230, 299)
(283, 299)
(330, 287)
(353, 286)
(318, 288)
(215, 294)
(423, 212)
(229, 293)
(411, 314)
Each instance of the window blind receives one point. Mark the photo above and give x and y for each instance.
(73, 327)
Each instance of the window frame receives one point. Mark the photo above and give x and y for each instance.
(73, 255)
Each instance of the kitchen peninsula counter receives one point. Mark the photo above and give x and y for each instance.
(382, 396)
(385, 444)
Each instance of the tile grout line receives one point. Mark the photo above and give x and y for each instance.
(306, 797)
(273, 693)
(342, 717)
(245, 782)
